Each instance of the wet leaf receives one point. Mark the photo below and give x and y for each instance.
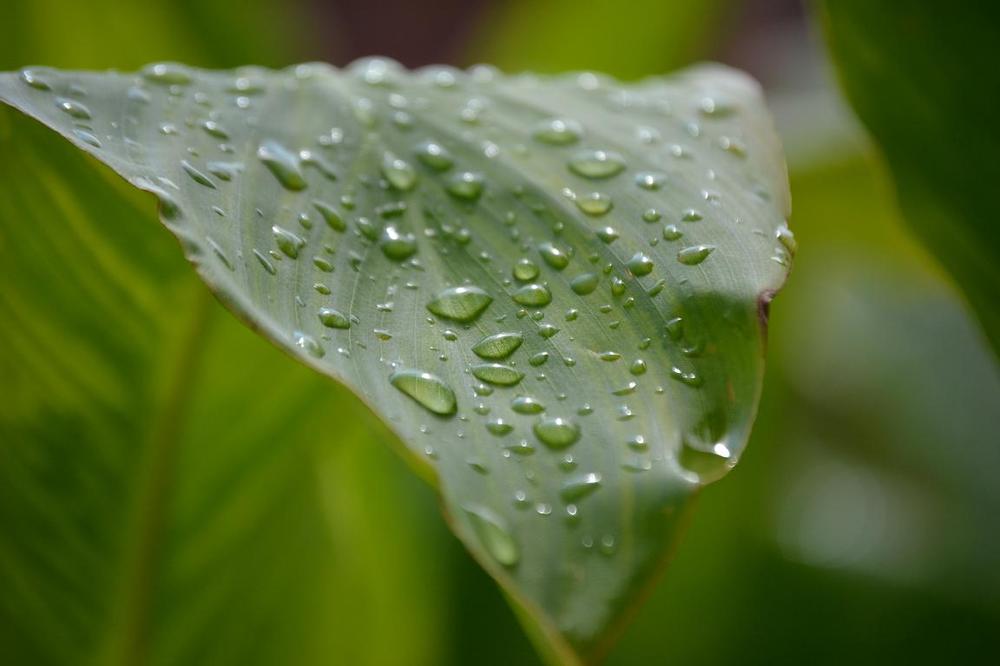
(384, 227)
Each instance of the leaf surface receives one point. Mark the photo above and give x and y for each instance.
(922, 78)
(552, 289)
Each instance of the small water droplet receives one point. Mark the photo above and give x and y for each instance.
(497, 373)
(538, 359)
(397, 245)
(308, 344)
(525, 270)
(671, 232)
(650, 180)
(553, 256)
(283, 164)
(691, 256)
(498, 345)
(556, 432)
(35, 80)
(498, 427)
(287, 241)
(333, 318)
(434, 155)
(577, 488)
(594, 203)
(524, 404)
(166, 73)
(467, 185)
(73, 108)
(400, 173)
(597, 164)
(640, 264)
(533, 295)
(330, 215)
(558, 131)
(196, 175)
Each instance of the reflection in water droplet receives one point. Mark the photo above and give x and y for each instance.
(524, 404)
(497, 346)
(691, 256)
(594, 203)
(308, 344)
(428, 390)
(461, 304)
(558, 131)
(397, 245)
(556, 432)
(533, 295)
(497, 373)
(597, 164)
(493, 534)
(640, 264)
(284, 164)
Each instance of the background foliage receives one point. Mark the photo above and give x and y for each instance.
(857, 527)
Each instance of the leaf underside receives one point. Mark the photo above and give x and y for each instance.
(552, 289)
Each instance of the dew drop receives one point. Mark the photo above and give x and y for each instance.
(553, 256)
(584, 284)
(594, 204)
(73, 108)
(597, 164)
(434, 156)
(308, 344)
(498, 346)
(671, 232)
(467, 186)
(497, 373)
(288, 242)
(524, 404)
(284, 164)
(533, 295)
(494, 536)
(577, 488)
(400, 173)
(556, 432)
(461, 304)
(525, 269)
(558, 132)
(428, 390)
(333, 318)
(196, 175)
(167, 74)
(640, 264)
(694, 255)
(330, 215)
(397, 245)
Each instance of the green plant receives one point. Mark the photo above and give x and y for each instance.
(440, 243)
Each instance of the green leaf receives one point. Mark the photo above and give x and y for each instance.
(922, 79)
(169, 481)
(384, 227)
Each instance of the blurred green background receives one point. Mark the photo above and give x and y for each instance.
(860, 527)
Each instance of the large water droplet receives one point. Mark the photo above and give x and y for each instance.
(533, 295)
(558, 131)
(525, 269)
(584, 284)
(288, 242)
(467, 186)
(499, 345)
(640, 264)
(461, 304)
(283, 163)
(553, 256)
(333, 318)
(579, 487)
(397, 245)
(524, 404)
(330, 215)
(308, 344)
(497, 373)
(597, 164)
(556, 432)
(494, 536)
(594, 203)
(73, 108)
(435, 156)
(428, 390)
(691, 256)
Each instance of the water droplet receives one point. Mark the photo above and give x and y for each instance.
(584, 284)
(73, 108)
(397, 245)
(650, 180)
(691, 256)
(533, 295)
(308, 344)
(594, 203)
(787, 238)
(461, 304)
(428, 390)
(87, 137)
(671, 232)
(467, 186)
(224, 170)
(547, 330)
(284, 164)
(330, 215)
(498, 427)
(332, 318)
(691, 215)
(497, 373)
(640, 264)
(577, 488)
(652, 215)
(609, 356)
(558, 131)
(607, 234)
(400, 174)
(709, 461)
(434, 155)
(597, 164)
(166, 73)
(494, 536)
(288, 242)
(638, 367)
(553, 256)
(525, 269)
(716, 107)
(556, 432)
(196, 175)
(538, 359)
(497, 346)
(524, 404)
(35, 80)
(213, 128)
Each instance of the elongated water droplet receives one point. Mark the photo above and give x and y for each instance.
(333, 318)
(73, 108)
(428, 390)
(538, 359)
(461, 304)
(497, 373)
(35, 80)
(213, 128)
(288, 242)
(284, 164)
(533, 295)
(167, 73)
(787, 238)
(597, 164)
(498, 427)
(498, 345)
(330, 215)
(691, 256)
(556, 432)
(196, 175)
(558, 131)
(577, 488)
(308, 344)
(494, 536)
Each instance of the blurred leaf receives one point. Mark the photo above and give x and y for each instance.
(172, 488)
(922, 77)
(371, 253)
(628, 40)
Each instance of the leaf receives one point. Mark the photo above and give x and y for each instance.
(155, 510)
(380, 226)
(922, 79)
